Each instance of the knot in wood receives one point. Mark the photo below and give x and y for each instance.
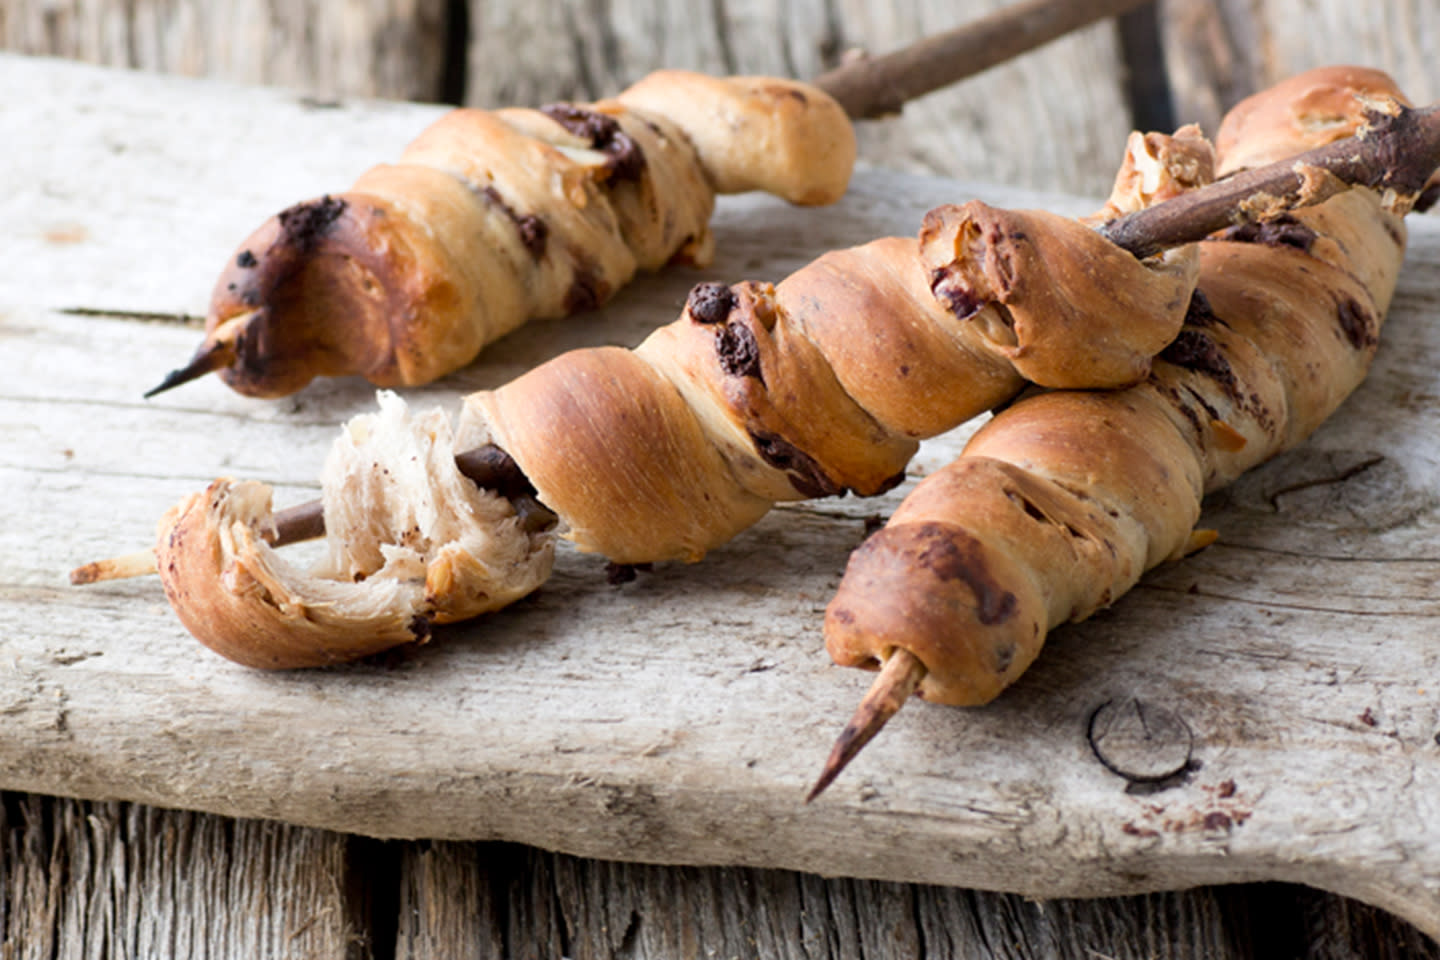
(1140, 741)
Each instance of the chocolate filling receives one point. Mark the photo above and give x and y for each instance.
(305, 223)
(1283, 231)
(1199, 313)
(1357, 324)
(624, 160)
(1427, 198)
(587, 291)
(955, 293)
(710, 303)
(952, 554)
(1194, 350)
(738, 352)
(805, 474)
(533, 231)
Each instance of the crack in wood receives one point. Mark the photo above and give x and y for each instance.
(1344, 475)
(145, 316)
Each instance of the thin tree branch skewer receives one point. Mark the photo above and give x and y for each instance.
(873, 87)
(898, 679)
(1398, 152)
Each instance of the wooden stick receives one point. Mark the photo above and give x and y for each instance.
(215, 352)
(1398, 152)
(898, 679)
(872, 87)
(141, 563)
(488, 467)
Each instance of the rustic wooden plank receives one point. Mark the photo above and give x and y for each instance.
(1219, 51)
(1275, 647)
(1051, 120)
(558, 905)
(362, 48)
(97, 880)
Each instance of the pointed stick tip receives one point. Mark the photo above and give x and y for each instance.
(209, 358)
(897, 680)
(141, 563)
(217, 350)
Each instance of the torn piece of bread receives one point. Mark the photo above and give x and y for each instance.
(410, 542)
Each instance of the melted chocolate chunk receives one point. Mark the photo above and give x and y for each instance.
(1357, 324)
(534, 232)
(1427, 198)
(586, 292)
(305, 223)
(624, 158)
(419, 627)
(805, 474)
(952, 554)
(1199, 313)
(710, 303)
(245, 260)
(618, 573)
(738, 352)
(1194, 350)
(954, 293)
(1283, 231)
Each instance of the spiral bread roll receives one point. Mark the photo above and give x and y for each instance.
(825, 383)
(1061, 502)
(758, 393)
(491, 218)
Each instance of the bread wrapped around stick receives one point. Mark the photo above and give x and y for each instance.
(758, 393)
(491, 218)
(1061, 502)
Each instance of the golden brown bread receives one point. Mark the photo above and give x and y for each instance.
(1063, 500)
(757, 394)
(491, 218)
(824, 384)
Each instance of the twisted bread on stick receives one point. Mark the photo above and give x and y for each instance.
(491, 218)
(757, 394)
(1061, 502)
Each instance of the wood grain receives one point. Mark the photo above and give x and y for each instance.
(1219, 51)
(1050, 120)
(84, 879)
(655, 729)
(361, 48)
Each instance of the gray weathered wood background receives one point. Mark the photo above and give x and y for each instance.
(108, 879)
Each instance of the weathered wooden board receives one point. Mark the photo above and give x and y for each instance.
(1218, 51)
(361, 48)
(677, 719)
(1062, 109)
